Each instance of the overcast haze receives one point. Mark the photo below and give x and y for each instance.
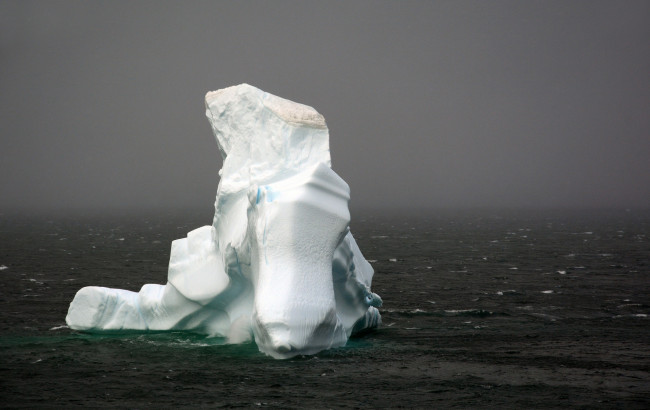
(429, 104)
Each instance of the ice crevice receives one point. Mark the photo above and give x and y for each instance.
(278, 264)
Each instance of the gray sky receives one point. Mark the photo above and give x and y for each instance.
(429, 103)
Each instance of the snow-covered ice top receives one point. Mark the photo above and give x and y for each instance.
(278, 265)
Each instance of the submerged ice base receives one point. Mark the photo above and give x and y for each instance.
(278, 264)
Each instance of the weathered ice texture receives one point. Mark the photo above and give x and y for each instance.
(278, 264)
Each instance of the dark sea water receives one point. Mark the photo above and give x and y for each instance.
(481, 309)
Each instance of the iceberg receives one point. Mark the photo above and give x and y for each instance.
(278, 265)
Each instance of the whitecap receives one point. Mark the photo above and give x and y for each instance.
(545, 316)
(469, 312)
(629, 305)
(3, 267)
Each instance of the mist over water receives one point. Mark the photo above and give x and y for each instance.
(498, 308)
(429, 104)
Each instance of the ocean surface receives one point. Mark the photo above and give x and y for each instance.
(500, 309)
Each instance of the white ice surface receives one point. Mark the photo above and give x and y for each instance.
(278, 264)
